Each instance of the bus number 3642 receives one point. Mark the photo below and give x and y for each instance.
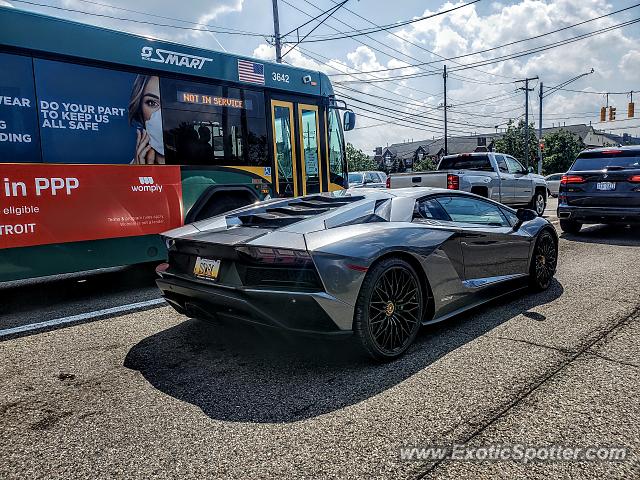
(280, 77)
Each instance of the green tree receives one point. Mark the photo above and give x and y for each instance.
(512, 143)
(358, 161)
(424, 165)
(560, 150)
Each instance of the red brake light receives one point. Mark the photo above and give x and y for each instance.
(388, 181)
(453, 182)
(571, 179)
(611, 152)
(634, 178)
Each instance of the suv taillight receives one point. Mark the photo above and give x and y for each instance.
(571, 179)
(453, 182)
(634, 178)
(388, 181)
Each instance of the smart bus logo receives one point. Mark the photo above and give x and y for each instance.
(160, 55)
(147, 184)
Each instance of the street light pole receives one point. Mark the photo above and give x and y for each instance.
(540, 152)
(549, 91)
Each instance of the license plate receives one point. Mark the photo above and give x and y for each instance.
(206, 268)
(606, 186)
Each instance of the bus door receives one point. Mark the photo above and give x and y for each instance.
(296, 148)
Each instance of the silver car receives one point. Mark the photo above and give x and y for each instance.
(553, 183)
(369, 179)
(372, 263)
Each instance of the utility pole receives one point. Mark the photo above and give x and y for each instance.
(276, 31)
(446, 145)
(526, 117)
(540, 152)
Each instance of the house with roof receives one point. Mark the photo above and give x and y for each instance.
(593, 138)
(401, 157)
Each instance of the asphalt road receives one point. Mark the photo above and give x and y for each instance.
(153, 394)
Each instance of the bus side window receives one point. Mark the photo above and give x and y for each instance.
(337, 170)
(213, 125)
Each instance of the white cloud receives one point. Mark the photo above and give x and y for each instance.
(221, 8)
(614, 56)
(629, 65)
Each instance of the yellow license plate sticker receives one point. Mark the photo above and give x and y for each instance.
(206, 268)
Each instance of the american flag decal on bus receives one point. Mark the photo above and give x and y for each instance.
(250, 72)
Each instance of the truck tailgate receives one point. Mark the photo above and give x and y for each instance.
(415, 179)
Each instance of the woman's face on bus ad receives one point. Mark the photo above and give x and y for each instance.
(149, 137)
(150, 98)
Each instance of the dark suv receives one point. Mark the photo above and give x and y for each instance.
(602, 186)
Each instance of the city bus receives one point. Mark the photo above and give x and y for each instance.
(108, 138)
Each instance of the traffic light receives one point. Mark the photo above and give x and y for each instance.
(612, 114)
(603, 114)
(631, 110)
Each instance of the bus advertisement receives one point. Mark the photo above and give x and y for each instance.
(107, 139)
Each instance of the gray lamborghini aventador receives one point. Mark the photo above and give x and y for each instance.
(369, 262)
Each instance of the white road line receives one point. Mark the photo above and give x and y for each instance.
(80, 317)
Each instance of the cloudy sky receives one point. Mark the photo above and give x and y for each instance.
(482, 97)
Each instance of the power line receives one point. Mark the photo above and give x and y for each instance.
(147, 14)
(510, 56)
(417, 45)
(596, 93)
(328, 14)
(369, 37)
(395, 121)
(146, 22)
(357, 40)
(387, 99)
(382, 107)
(315, 56)
(506, 44)
(357, 33)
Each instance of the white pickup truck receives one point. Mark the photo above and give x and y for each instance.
(492, 175)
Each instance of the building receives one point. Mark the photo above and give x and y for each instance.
(400, 157)
(593, 138)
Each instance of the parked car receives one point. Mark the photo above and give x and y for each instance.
(375, 264)
(553, 183)
(496, 176)
(602, 186)
(367, 179)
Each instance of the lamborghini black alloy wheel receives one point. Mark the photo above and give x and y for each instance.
(389, 310)
(545, 258)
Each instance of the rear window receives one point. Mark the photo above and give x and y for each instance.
(460, 162)
(600, 161)
(355, 178)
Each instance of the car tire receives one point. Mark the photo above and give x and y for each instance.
(543, 261)
(389, 309)
(538, 203)
(570, 226)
